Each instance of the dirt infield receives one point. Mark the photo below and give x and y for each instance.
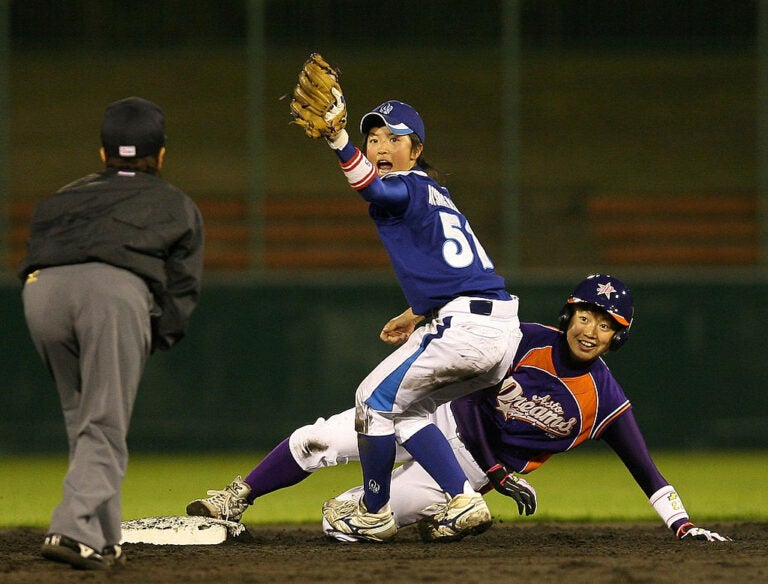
(525, 552)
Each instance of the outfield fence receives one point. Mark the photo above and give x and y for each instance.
(263, 359)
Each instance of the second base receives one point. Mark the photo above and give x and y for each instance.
(181, 530)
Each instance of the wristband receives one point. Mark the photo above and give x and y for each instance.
(359, 171)
(683, 529)
(668, 505)
(341, 140)
(497, 473)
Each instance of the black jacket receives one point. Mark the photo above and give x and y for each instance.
(136, 221)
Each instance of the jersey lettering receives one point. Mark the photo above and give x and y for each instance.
(439, 199)
(540, 411)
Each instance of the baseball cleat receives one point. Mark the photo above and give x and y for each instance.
(461, 516)
(61, 548)
(228, 504)
(351, 518)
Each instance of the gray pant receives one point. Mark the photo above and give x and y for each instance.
(90, 324)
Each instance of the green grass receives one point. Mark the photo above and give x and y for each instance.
(582, 486)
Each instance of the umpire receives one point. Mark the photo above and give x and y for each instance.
(112, 272)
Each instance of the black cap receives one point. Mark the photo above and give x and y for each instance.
(133, 128)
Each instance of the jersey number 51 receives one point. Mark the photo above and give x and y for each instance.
(457, 251)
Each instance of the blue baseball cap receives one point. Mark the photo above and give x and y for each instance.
(399, 117)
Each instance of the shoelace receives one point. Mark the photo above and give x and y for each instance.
(435, 508)
(224, 498)
(346, 507)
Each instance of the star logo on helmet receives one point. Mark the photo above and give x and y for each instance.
(605, 289)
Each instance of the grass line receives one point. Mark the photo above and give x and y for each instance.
(582, 486)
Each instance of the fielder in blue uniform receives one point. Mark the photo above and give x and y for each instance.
(467, 343)
(557, 394)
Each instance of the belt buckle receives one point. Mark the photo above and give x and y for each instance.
(483, 307)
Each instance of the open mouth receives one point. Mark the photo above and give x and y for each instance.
(383, 166)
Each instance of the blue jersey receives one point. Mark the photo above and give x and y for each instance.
(546, 405)
(433, 250)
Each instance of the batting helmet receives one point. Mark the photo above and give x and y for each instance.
(605, 293)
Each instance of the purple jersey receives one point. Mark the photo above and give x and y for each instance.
(547, 404)
(432, 248)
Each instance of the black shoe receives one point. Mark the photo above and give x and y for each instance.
(115, 555)
(61, 548)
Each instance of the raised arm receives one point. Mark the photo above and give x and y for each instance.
(363, 177)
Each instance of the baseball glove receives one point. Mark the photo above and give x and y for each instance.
(318, 104)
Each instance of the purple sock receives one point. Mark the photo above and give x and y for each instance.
(377, 457)
(431, 450)
(277, 471)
